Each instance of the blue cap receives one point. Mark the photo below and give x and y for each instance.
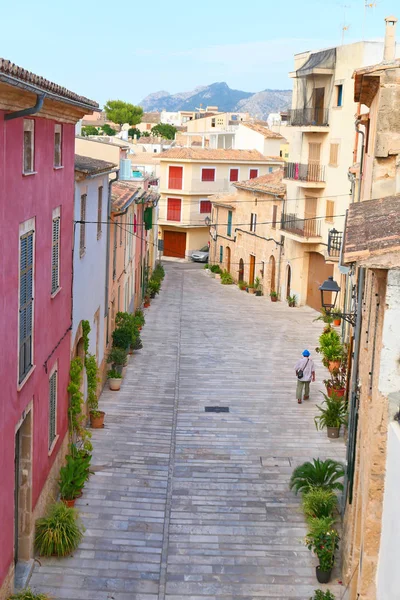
(306, 353)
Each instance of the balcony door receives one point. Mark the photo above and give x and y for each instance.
(318, 105)
(314, 162)
(310, 212)
(175, 178)
(252, 269)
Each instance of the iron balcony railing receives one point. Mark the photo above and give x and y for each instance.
(307, 117)
(311, 172)
(302, 227)
(334, 243)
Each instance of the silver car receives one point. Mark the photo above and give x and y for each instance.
(200, 255)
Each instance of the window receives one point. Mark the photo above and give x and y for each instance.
(330, 210)
(212, 122)
(99, 211)
(148, 126)
(55, 253)
(333, 155)
(205, 206)
(26, 304)
(52, 408)
(208, 174)
(29, 145)
(175, 178)
(221, 254)
(253, 173)
(174, 209)
(339, 95)
(234, 175)
(270, 169)
(262, 270)
(274, 214)
(82, 236)
(253, 222)
(229, 227)
(57, 145)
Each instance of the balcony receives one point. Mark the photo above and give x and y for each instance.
(312, 119)
(304, 228)
(311, 175)
(334, 243)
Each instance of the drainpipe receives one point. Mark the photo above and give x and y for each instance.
(108, 241)
(27, 111)
(357, 125)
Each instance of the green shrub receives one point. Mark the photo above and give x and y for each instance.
(215, 269)
(158, 272)
(319, 473)
(318, 503)
(206, 266)
(242, 284)
(117, 356)
(74, 475)
(139, 317)
(59, 533)
(113, 374)
(122, 337)
(226, 278)
(333, 413)
(323, 540)
(321, 595)
(153, 287)
(28, 594)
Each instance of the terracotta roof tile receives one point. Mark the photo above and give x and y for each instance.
(267, 133)
(85, 164)
(270, 183)
(123, 194)
(9, 69)
(209, 154)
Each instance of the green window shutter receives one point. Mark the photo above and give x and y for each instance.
(148, 218)
(25, 304)
(52, 407)
(55, 256)
(229, 228)
(221, 254)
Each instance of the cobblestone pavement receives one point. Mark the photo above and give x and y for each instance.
(186, 504)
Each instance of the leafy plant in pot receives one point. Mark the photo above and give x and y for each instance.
(250, 288)
(73, 477)
(58, 533)
(292, 301)
(154, 287)
(114, 380)
(117, 357)
(323, 540)
(333, 415)
(319, 502)
(28, 594)
(257, 286)
(337, 382)
(147, 300)
(325, 474)
(274, 296)
(321, 595)
(242, 285)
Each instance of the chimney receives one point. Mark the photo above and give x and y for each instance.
(389, 52)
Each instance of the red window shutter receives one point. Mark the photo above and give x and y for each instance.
(208, 175)
(205, 206)
(174, 209)
(234, 175)
(175, 178)
(253, 173)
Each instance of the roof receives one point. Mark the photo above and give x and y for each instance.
(145, 158)
(151, 117)
(154, 140)
(105, 140)
(91, 166)
(210, 154)
(373, 231)
(224, 200)
(15, 75)
(367, 80)
(123, 193)
(268, 184)
(267, 133)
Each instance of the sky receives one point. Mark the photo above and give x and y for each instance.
(126, 51)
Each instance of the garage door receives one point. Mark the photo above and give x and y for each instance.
(174, 244)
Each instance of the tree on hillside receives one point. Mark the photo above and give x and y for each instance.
(121, 112)
(134, 131)
(89, 130)
(164, 130)
(108, 130)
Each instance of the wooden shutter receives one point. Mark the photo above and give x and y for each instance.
(208, 174)
(205, 206)
(25, 304)
(82, 237)
(52, 408)
(221, 254)
(55, 256)
(333, 155)
(234, 175)
(99, 211)
(175, 178)
(253, 173)
(274, 214)
(148, 218)
(314, 153)
(330, 210)
(229, 228)
(174, 209)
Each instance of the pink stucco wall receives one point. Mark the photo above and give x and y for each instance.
(22, 198)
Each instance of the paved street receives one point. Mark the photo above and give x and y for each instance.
(186, 504)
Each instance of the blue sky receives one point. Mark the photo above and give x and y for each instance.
(128, 50)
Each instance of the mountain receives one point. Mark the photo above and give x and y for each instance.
(221, 95)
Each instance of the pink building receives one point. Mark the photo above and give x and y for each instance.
(37, 131)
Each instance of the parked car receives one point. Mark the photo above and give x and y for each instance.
(200, 255)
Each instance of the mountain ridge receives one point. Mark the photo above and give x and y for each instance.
(258, 104)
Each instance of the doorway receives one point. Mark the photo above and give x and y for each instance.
(288, 280)
(318, 105)
(241, 270)
(272, 270)
(252, 269)
(318, 272)
(23, 522)
(175, 244)
(228, 258)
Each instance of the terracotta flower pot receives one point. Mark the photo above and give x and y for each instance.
(97, 422)
(333, 364)
(339, 393)
(251, 290)
(71, 503)
(274, 298)
(146, 303)
(333, 432)
(323, 576)
(115, 384)
(337, 322)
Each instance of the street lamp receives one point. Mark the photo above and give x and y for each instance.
(329, 293)
(207, 221)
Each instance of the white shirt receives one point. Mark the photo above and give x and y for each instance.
(307, 367)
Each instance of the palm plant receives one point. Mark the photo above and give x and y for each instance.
(319, 502)
(333, 413)
(59, 533)
(321, 595)
(28, 594)
(319, 473)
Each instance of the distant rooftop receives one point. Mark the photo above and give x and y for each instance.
(90, 166)
(209, 154)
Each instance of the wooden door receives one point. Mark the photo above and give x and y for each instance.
(175, 244)
(318, 105)
(228, 259)
(175, 178)
(252, 268)
(288, 281)
(318, 272)
(241, 270)
(314, 162)
(310, 212)
(272, 273)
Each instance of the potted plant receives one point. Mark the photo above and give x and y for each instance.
(139, 318)
(337, 382)
(333, 415)
(257, 286)
(154, 287)
(274, 296)
(292, 300)
(114, 380)
(333, 355)
(319, 503)
(122, 337)
(58, 533)
(337, 321)
(250, 288)
(323, 540)
(146, 300)
(319, 473)
(117, 357)
(28, 594)
(226, 278)
(321, 595)
(73, 477)
(242, 285)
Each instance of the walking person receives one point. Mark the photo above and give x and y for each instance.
(305, 372)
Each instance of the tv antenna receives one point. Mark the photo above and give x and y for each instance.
(345, 26)
(367, 4)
